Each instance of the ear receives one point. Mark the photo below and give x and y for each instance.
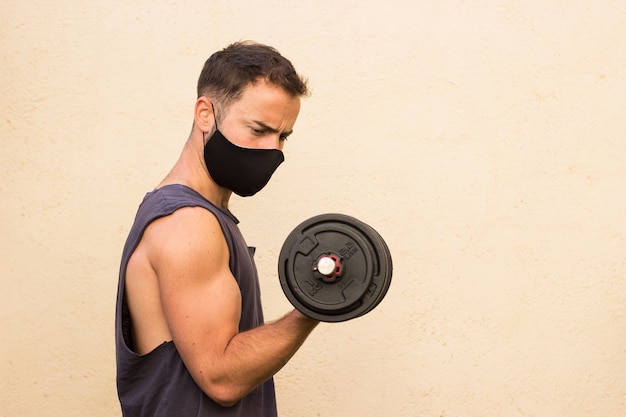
(203, 114)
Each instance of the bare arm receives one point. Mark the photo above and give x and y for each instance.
(202, 307)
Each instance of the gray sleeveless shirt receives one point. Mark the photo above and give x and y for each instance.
(158, 384)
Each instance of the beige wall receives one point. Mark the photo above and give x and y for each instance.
(483, 139)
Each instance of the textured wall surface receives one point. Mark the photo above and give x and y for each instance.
(483, 139)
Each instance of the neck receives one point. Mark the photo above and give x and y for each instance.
(190, 170)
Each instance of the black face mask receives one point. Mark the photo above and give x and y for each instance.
(244, 171)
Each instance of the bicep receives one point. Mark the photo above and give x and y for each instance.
(200, 297)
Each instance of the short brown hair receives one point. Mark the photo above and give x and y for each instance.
(228, 72)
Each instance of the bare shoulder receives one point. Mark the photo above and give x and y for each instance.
(190, 237)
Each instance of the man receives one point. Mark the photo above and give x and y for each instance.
(190, 336)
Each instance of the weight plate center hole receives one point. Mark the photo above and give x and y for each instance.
(329, 267)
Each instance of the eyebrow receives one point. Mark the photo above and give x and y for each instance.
(271, 129)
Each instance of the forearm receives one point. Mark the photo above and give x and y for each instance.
(251, 357)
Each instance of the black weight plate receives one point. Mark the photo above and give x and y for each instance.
(365, 260)
(386, 265)
(330, 238)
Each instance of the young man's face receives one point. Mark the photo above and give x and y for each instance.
(262, 118)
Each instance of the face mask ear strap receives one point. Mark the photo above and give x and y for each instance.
(214, 117)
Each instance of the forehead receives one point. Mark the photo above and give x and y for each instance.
(267, 103)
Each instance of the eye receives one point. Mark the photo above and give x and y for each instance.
(283, 138)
